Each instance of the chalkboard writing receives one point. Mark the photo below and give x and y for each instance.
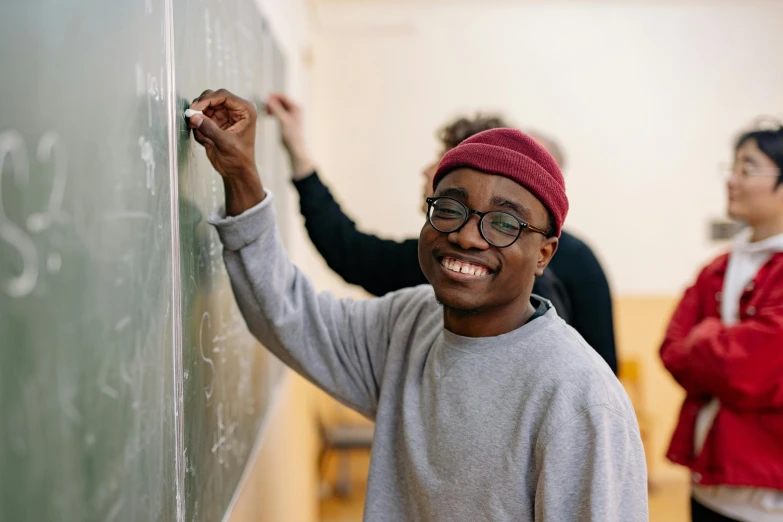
(130, 388)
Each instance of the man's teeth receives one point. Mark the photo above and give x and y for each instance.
(464, 268)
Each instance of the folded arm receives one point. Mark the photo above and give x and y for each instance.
(739, 364)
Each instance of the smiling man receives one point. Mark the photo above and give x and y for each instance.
(488, 407)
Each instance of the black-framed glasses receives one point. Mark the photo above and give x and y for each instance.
(499, 229)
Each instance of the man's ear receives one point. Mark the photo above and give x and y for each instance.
(545, 253)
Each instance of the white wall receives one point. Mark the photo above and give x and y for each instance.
(291, 22)
(645, 97)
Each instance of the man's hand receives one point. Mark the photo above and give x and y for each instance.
(289, 114)
(227, 130)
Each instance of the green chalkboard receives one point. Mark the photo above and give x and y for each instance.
(228, 377)
(130, 389)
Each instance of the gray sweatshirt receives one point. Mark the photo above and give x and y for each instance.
(529, 425)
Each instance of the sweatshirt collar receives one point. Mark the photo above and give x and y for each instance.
(521, 335)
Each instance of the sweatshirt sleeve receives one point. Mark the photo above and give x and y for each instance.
(593, 470)
(338, 344)
(675, 349)
(741, 364)
(378, 265)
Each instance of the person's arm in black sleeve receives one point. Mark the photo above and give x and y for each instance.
(377, 265)
(591, 305)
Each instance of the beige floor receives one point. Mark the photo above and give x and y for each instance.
(668, 500)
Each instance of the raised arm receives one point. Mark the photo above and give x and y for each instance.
(340, 345)
(378, 265)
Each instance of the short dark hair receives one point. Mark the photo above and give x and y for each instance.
(770, 142)
(462, 128)
(550, 228)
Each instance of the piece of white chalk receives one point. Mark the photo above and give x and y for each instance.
(190, 113)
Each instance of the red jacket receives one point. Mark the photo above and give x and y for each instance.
(742, 366)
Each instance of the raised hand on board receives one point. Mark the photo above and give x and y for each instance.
(227, 130)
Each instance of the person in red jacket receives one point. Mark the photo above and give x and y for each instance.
(724, 345)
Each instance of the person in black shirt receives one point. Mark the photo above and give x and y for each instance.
(383, 265)
(579, 270)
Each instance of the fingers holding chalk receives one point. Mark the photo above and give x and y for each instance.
(260, 106)
(196, 117)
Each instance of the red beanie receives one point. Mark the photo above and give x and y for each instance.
(510, 153)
